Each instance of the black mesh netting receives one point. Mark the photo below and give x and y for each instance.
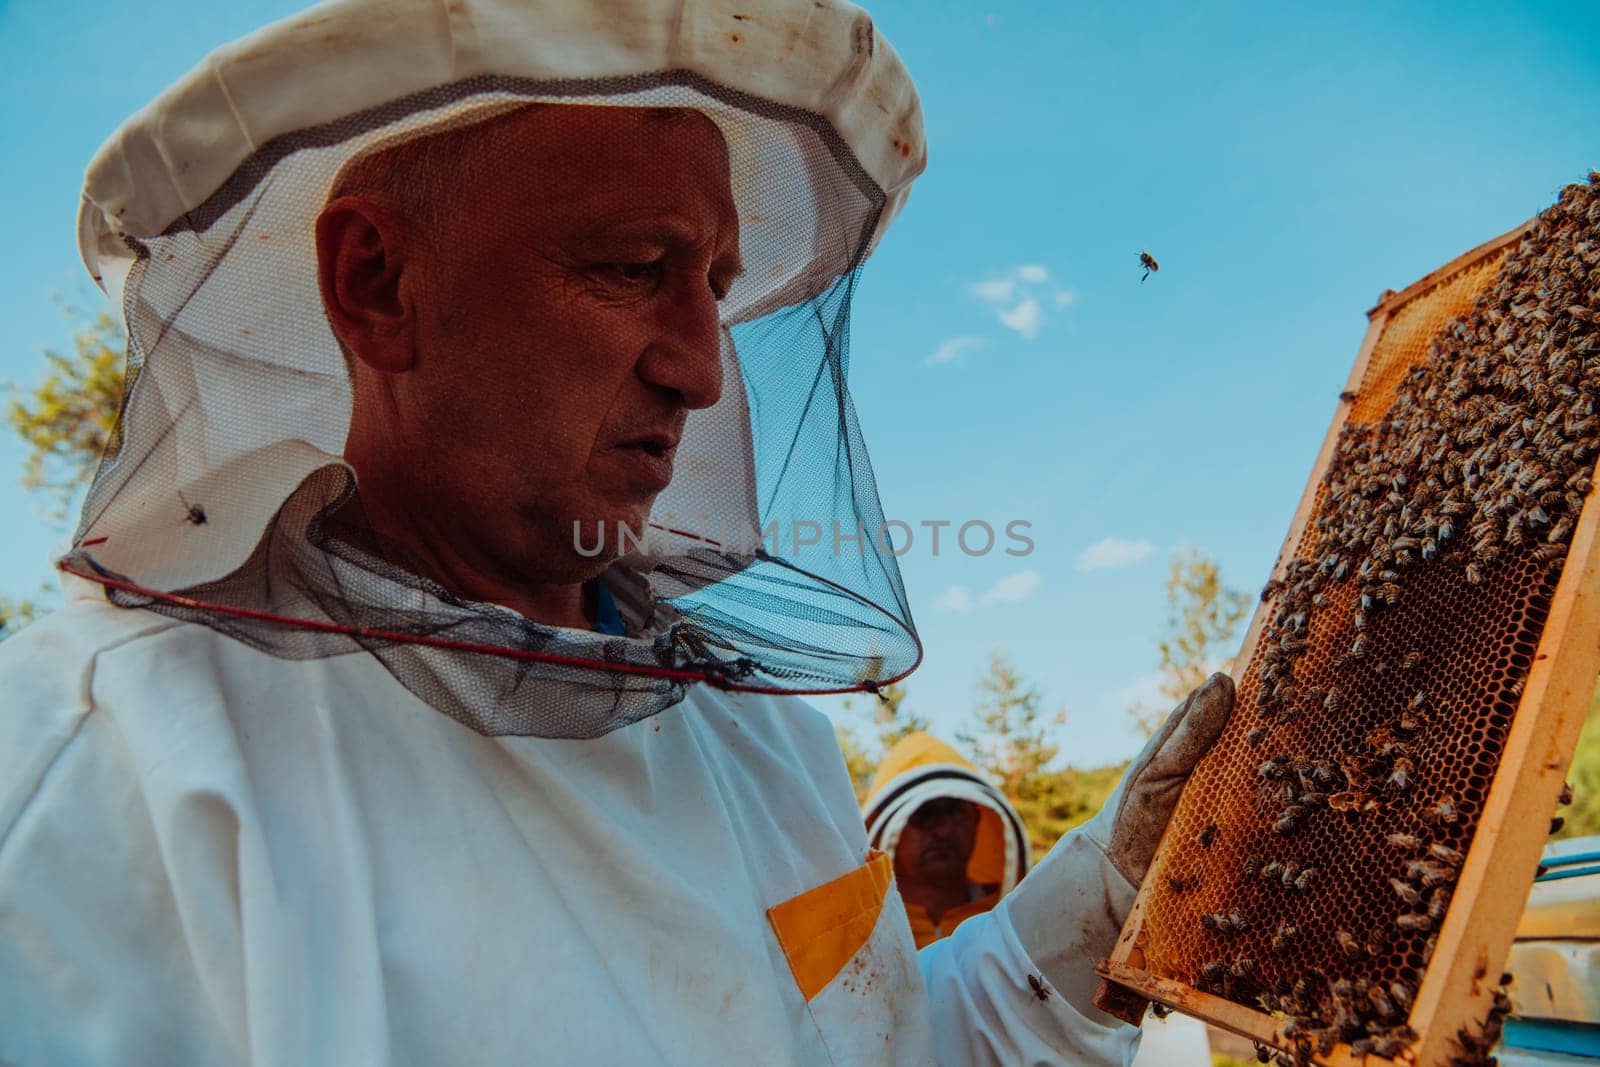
(226, 500)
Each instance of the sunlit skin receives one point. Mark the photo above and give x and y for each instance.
(930, 859)
(532, 363)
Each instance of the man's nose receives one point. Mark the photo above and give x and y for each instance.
(685, 352)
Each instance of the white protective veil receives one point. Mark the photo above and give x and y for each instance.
(198, 216)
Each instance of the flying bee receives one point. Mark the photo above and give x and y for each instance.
(1413, 924)
(1148, 262)
(1349, 945)
(1406, 841)
(1440, 850)
(1566, 794)
(1160, 1011)
(1557, 823)
(1207, 834)
(1406, 891)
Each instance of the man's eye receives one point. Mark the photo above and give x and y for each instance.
(632, 273)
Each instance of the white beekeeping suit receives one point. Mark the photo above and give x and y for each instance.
(273, 791)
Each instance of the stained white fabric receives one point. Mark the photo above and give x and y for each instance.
(212, 856)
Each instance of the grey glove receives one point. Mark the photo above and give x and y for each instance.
(1069, 909)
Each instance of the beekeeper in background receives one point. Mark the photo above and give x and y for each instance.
(958, 844)
(427, 687)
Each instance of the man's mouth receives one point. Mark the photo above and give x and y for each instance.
(648, 459)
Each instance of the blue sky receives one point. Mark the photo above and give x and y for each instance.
(1285, 164)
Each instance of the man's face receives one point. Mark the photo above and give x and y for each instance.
(936, 842)
(565, 324)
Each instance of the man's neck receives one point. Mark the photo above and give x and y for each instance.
(365, 524)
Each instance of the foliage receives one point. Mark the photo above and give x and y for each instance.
(1203, 617)
(69, 418)
(15, 614)
(889, 723)
(1009, 740)
(1583, 814)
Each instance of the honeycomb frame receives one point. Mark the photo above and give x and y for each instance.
(1458, 982)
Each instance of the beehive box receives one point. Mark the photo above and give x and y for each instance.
(1344, 874)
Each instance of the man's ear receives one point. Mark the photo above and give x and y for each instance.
(361, 252)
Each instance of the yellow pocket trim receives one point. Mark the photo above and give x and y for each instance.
(822, 929)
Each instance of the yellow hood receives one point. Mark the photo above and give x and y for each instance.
(920, 768)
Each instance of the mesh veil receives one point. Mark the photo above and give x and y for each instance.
(766, 566)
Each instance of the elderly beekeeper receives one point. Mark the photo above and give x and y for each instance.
(957, 843)
(427, 687)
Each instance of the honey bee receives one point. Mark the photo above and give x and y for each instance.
(1417, 700)
(1406, 891)
(1359, 647)
(1440, 850)
(1285, 936)
(1207, 834)
(1272, 870)
(1213, 972)
(1290, 820)
(1429, 874)
(1243, 967)
(1380, 1000)
(1255, 736)
(1444, 810)
(1332, 701)
(1159, 1010)
(1413, 924)
(1349, 945)
(1178, 885)
(1412, 660)
(1303, 881)
(1400, 777)
(1566, 794)
(1405, 841)
(1438, 904)
(1557, 823)
(1401, 994)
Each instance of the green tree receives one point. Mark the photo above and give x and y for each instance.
(887, 724)
(1202, 624)
(69, 418)
(1010, 740)
(15, 614)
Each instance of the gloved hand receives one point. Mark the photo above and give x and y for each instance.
(1069, 909)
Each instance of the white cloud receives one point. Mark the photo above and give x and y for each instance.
(957, 598)
(951, 350)
(1012, 589)
(997, 291)
(1019, 297)
(1025, 318)
(1113, 552)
